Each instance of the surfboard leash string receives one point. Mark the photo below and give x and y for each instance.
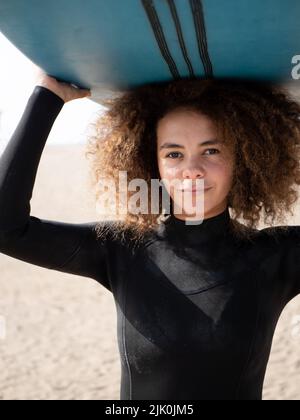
(180, 36)
(199, 23)
(160, 38)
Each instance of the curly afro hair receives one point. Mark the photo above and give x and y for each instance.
(258, 121)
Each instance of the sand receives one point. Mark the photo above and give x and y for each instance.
(61, 339)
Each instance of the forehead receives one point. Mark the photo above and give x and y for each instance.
(179, 123)
(184, 112)
(185, 127)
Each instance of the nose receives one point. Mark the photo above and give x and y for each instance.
(193, 172)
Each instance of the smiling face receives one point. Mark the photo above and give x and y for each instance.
(187, 150)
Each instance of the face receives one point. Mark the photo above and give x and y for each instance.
(188, 150)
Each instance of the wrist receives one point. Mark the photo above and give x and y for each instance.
(52, 89)
(40, 87)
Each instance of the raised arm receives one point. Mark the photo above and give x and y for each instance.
(71, 248)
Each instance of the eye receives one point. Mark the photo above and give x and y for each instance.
(178, 153)
(172, 153)
(213, 149)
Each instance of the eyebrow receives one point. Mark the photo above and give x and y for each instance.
(180, 146)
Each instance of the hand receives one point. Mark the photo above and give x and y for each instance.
(66, 91)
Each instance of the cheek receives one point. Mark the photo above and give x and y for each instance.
(168, 171)
(222, 175)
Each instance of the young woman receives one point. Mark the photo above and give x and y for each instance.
(197, 304)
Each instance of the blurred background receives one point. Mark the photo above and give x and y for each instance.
(17, 80)
(58, 331)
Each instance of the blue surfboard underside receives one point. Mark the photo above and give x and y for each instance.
(112, 45)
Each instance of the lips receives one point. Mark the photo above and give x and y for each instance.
(196, 189)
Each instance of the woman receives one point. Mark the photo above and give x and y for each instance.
(197, 303)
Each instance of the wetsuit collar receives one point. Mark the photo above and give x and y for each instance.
(209, 228)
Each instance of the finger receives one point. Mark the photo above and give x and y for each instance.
(86, 92)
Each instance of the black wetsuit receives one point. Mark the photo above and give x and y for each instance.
(196, 308)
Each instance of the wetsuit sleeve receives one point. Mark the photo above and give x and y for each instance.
(66, 247)
(282, 243)
(292, 259)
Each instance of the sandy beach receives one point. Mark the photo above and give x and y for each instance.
(60, 341)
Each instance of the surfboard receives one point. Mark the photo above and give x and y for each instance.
(113, 45)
